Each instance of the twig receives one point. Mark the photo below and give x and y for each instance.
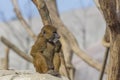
(22, 20)
(16, 49)
(104, 63)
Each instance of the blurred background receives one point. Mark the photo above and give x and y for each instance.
(81, 17)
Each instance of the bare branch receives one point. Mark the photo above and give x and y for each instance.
(54, 2)
(42, 8)
(104, 64)
(22, 20)
(16, 49)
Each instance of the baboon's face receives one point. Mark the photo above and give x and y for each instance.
(50, 33)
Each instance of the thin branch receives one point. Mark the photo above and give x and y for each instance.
(16, 49)
(106, 43)
(22, 20)
(104, 64)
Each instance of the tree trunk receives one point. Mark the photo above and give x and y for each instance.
(114, 62)
(111, 11)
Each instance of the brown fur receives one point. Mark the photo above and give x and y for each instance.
(45, 51)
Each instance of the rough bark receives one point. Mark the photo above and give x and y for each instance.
(111, 11)
(114, 62)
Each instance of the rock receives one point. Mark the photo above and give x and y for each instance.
(26, 75)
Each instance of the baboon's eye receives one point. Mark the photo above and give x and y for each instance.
(43, 32)
(55, 32)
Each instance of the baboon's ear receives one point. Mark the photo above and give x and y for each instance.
(43, 32)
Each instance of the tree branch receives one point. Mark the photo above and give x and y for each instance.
(111, 13)
(42, 8)
(16, 49)
(22, 20)
(104, 64)
(54, 2)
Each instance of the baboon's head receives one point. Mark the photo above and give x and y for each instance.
(49, 32)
